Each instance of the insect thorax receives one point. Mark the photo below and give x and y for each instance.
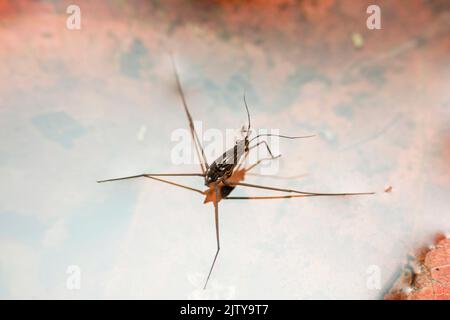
(222, 168)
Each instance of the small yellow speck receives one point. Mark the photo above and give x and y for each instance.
(357, 40)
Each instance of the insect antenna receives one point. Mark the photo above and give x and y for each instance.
(248, 115)
(281, 136)
(268, 134)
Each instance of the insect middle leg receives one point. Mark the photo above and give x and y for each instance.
(270, 197)
(155, 176)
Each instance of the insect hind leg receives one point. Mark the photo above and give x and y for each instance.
(216, 220)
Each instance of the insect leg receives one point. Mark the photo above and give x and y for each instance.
(295, 191)
(267, 146)
(242, 161)
(270, 176)
(216, 219)
(198, 146)
(271, 197)
(176, 184)
(244, 158)
(154, 177)
(259, 161)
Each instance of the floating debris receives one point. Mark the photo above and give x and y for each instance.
(357, 40)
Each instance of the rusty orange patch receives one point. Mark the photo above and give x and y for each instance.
(431, 281)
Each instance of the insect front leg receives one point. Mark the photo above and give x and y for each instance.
(267, 147)
(245, 157)
(259, 161)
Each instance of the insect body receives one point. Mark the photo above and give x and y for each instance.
(227, 172)
(222, 168)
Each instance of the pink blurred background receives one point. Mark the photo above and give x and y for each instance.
(79, 105)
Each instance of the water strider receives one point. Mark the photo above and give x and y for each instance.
(228, 171)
